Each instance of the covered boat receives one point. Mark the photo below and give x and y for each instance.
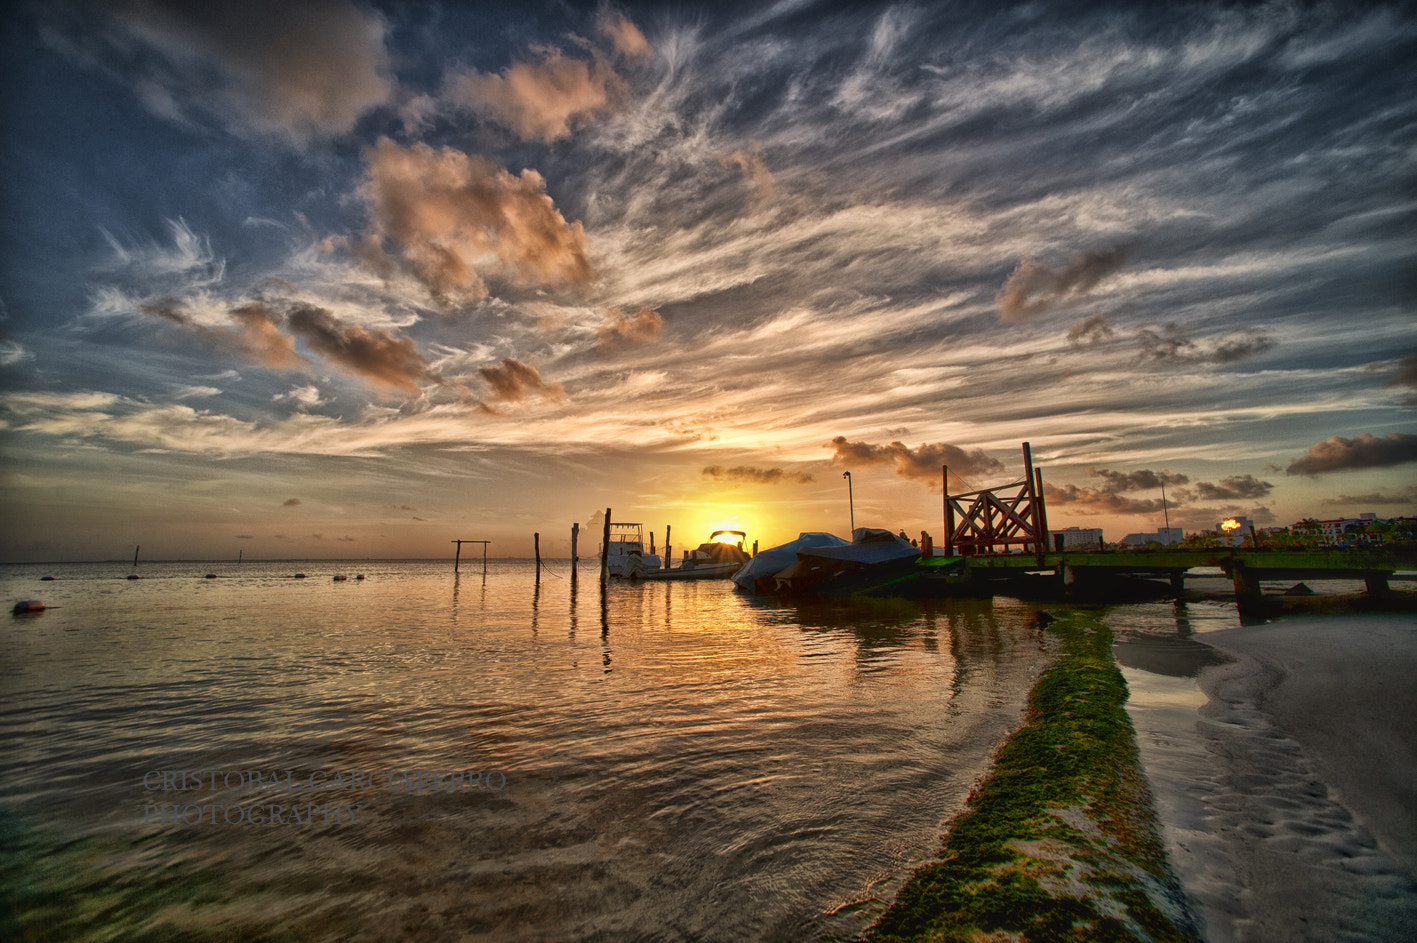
(757, 575)
(874, 558)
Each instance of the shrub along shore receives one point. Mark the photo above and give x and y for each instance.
(1060, 842)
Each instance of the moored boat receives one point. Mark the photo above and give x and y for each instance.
(717, 558)
(626, 556)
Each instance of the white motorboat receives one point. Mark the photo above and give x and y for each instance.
(626, 555)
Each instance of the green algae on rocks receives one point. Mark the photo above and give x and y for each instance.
(1060, 843)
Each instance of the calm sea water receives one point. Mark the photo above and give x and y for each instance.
(675, 762)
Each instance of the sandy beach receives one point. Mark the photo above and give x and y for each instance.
(1286, 777)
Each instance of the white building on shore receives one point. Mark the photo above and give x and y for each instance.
(1166, 536)
(1076, 538)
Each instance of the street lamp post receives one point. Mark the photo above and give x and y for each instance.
(851, 501)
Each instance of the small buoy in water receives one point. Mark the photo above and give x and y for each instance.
(46, 579)
(209, 576)
(299, 576)
(28, 605)
(340, 576)
(360, 576)
(134, 576)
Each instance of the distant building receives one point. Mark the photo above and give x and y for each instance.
(1165, 536)
(1235, 536)
(1087, 538)
(1338, 529)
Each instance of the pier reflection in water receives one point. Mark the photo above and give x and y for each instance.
(699, 765)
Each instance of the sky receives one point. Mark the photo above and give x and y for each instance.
(350, 279)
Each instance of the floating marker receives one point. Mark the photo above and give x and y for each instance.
(28, 605)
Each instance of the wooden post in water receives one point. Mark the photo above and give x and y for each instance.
(458, 555)
(605, 551)
(536, 547)
(668, 548)
(575, 536)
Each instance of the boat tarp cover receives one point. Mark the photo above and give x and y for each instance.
(773, 559)
(869, 546)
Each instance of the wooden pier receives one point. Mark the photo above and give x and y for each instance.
(1073, 572)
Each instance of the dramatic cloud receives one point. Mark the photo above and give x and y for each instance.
(376, 356)
(255, 332)
(1232, 488)
(450, 214)
(919, 463)
(757, 476)
(1366, 451)
(625, 36)
(1099, 500)
(1032, 289)
(639, 327)
(300, 69)
(751, 163)
(1166, 343)
(1089, 331)
(1407, 496)
(1143, 480)
(543, 99)
(513, 381)
(261, 339)
(1110, 496)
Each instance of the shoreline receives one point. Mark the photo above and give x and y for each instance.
(1285, 776)
(1061, 837)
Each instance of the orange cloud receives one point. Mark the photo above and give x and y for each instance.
(545, 98)
(540, 100)
(624, 35)
(513, 381)
(754, 168)
(376, 356)
(449, 214)
(640, 327)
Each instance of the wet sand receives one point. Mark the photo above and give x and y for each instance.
(1286, 778)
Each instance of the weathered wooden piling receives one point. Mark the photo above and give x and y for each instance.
(536, 548)
(457, 556)
(605, 552)
(575, 537)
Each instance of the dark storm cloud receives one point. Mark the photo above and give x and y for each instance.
(1366, 451)
(302, 69)
(921, 463)
(1114, 481)
(1032, 289)
(759, 476)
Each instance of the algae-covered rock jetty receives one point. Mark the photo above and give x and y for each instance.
(1060, 842)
